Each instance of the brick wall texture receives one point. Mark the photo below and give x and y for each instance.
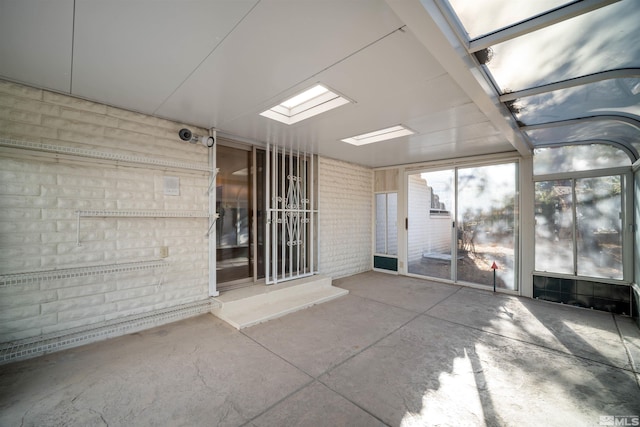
(345, 197)
(39, 197)
(40, 194)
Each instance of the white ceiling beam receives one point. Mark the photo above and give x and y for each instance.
(623, 73)
(430, 27)
(626, 120)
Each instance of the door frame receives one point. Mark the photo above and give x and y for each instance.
(252, 249)
(480, 161)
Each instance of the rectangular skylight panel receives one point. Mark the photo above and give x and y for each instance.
(329, 105)
(315, 102)
(305, 96)
(379, 135)
(309, 103)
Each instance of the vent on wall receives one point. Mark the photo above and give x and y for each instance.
(385, 263)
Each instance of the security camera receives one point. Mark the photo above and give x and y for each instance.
(187, 135)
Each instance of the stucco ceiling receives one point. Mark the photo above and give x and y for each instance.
(218, 64)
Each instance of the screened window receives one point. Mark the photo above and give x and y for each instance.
(554, 226)
(386, 223)
(578, 228)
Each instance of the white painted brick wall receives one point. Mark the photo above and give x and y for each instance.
(39, 197)
(345, 193)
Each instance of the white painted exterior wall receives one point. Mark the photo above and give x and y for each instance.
(39, 197)
(345, 219)
(40, 194)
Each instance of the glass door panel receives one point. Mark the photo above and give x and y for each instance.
(233, 205)
(260, 211)
(430, 226)
(487, 225)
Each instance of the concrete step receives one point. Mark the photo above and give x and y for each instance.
(249, 306)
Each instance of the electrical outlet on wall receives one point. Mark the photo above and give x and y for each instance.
(164, 251)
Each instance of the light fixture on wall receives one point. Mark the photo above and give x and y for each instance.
(380, 135)
(186, 135)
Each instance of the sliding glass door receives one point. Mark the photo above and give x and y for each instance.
(461, 221)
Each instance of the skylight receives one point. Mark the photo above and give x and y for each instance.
(309, 103)
(483, 17)
(379, 135)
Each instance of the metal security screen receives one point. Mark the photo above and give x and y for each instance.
(291, 215)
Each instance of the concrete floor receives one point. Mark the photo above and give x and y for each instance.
(395, 351)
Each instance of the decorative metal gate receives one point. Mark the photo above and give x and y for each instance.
(291, 215)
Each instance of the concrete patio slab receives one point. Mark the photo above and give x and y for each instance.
(313, 406)
(630, 334)
(195, 372)
(473, 358)
(585, 333)
(322, 336)
(433, 372)
(411, 294)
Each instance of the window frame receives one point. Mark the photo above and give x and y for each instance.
(628, 225)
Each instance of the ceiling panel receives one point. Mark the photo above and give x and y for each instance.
(394, 81)
(134, 54)
(35, 42)
(219, 63)
(277, 46)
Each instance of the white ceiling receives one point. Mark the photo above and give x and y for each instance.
(219, 63)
